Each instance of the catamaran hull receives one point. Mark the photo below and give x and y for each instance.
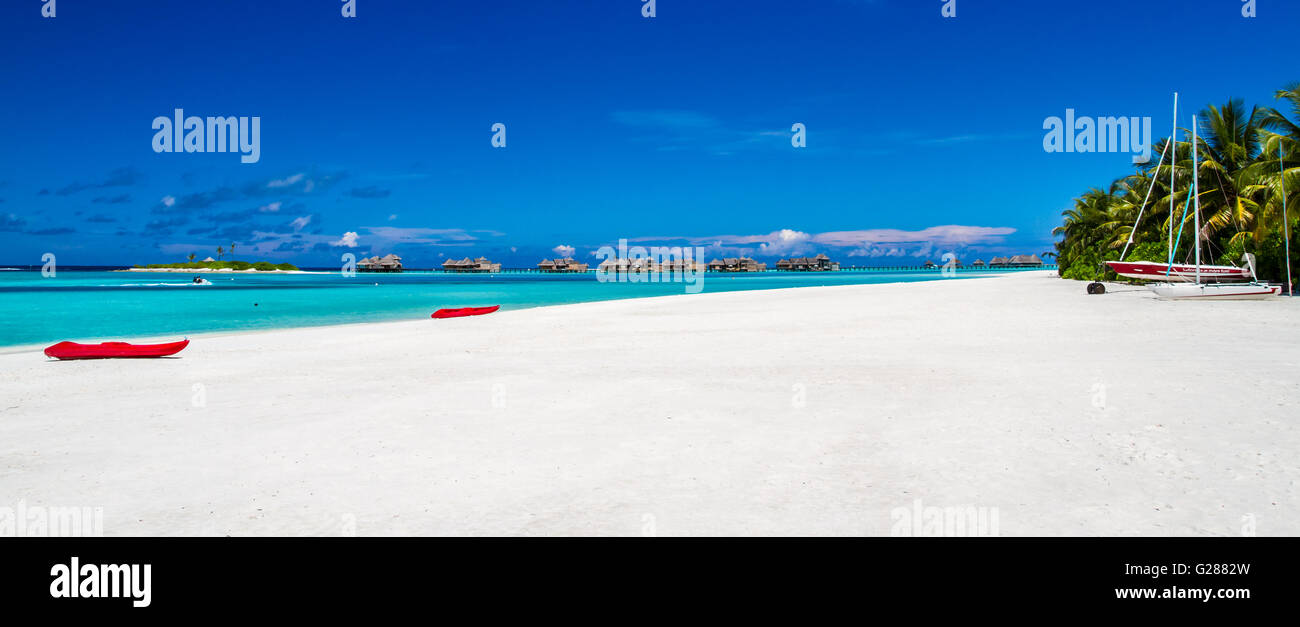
(1181, 273)
(1215, 291)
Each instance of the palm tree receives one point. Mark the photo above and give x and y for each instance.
(1248, 155)
(1229, 188)
(1127, 197)
(1083, 234)
(191, 258)
(1276, 121)
(220, 251)
(232, 248)
(1281, 159)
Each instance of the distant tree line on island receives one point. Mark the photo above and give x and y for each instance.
(1242, 156)
(261, 266)
(215, 264)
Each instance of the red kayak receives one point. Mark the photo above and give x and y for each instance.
(114, 350)
(465, 311)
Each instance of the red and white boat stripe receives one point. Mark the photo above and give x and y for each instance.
(1152, 271)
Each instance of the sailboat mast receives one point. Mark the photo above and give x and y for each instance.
(1173, 159)
(1286, 224)
(1196, 191)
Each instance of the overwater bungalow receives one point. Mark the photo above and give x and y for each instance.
(647, 264)
(736, 264)
(1024, 261)
(624, 266)
(561, 265)
(627, 266)
(929, 264)
(979, 263)
(682, 265)
(470, 265)
(387, 263)
(820, 263)
(997, 261)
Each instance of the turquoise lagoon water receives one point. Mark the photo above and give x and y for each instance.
(103, 305)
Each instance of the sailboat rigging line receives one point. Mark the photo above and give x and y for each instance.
(1286, 224)
(1182, 223)
(1150, 186)
(1196, 193)
(1227, 201)
(1173, 167)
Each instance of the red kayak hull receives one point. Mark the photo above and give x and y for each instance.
(465, 311)
(114, 350)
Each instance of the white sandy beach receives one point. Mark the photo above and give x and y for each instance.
(799, 411)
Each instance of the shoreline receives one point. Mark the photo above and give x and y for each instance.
(805, 411)
(230, 270)
(147, 339)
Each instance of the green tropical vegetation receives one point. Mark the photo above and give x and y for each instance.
(1243, 153)
(262, 266)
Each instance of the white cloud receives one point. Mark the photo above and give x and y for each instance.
(168, 201)
(417, 235)
(860, 243)
(285, 182)
(392, 216)
(785, 242)
(349, 239)
(923, 243)
(949, 234)
(269, 208)
(878, 251)
(564, 251)
(299, 223)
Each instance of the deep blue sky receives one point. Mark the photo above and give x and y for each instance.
(674, 129)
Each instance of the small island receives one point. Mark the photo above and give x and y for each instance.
(215, 266)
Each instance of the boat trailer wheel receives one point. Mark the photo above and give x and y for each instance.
(1096, 288)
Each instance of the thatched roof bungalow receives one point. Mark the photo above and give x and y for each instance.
(819, 263)
(470, 265)
(628, 266)
(1025, 261)
(561, 265)
(682, 265)
(736, 264)
(387, 263)
(647, 264)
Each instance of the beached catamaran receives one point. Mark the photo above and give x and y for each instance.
(1195, 280)
(1178, 272)
(1197, 289)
